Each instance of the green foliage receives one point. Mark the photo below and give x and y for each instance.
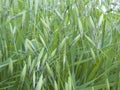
(59, 45)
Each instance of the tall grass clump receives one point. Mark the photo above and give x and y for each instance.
(59, 45)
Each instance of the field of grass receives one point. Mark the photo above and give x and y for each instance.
(59, 45)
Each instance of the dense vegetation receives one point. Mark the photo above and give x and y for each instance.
(59, 45)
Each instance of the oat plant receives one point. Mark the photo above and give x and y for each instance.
(59, 45)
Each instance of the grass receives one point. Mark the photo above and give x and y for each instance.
(59, 45)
